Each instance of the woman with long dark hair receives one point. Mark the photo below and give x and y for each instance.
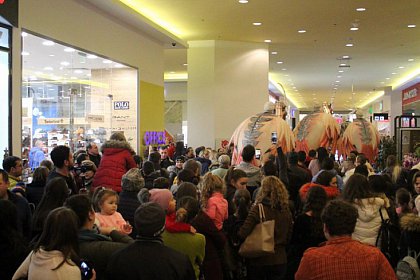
(55, 255)
(56, 192)
(307, 229)
(235, 179)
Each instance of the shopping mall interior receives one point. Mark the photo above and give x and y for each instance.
(74, 71)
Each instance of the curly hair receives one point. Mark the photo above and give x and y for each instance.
(275, 191)
(211, 184)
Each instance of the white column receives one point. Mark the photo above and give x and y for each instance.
(227, 82)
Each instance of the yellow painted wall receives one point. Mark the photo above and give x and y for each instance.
(150, 110)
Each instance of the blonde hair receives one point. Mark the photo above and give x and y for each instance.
(275, 191)
(211, 184)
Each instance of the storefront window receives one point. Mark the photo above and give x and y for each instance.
(4, 90)
(71, 97)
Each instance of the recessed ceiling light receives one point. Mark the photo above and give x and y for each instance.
(48, 43)
(24, 34)
(243, 1)
(411, 25)
(24, 53)
(354, 28)
(106, 61)
(343, 64)
(185, 64)
(284, 69)
(267, 41)
(65, 63)
(257, 23)
(387, 78)
(91, 56)
(361, 9)
(393, 73)
(337, 81)
(411, 59)
(349, 45)
(279, 62)
(51, 55)
(69, 50)
(302, 31)
(345, 56)
(401, 67)
(339, 76)
(172, 72)
(340, 71)
(273, 52)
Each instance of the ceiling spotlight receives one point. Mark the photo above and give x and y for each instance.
(48, 43)
(172, 72)
(339, 76)
(401, 67)
(411, 25)
(349, 45)
(106, 61)
(337, 81)
(393, 73)
(24, 34)
(257, 23)
(354, 28)
(24, 53)
(284, 69)
(340, 71)
(69, 50)
(411, 59)
(185, 64)
(91, 56)
(243, 1)
(345, 56)
(267, 41)
(342, 64)
(273, 52)
(361, 9)
(302, 31)
(279, 62)
(387, 78)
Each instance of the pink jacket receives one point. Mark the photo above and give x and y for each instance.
(217, 209)
(114, 220)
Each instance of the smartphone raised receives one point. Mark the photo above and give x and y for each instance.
(257, 153)
(86, 269)
(274, 137)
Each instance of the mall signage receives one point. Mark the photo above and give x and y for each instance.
(121, 105)
(411, 94)
(154, 138)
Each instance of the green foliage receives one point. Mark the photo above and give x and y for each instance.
(387, 147)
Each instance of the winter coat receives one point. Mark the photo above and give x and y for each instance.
(410, 235)
(98, 248)
(127, 205)
(40, 265)
(215, 241)
(282, 232)
(116, 160)
(331, 191)
(36, 155)
(149, 260)
(34, 192)
(369, 220)
(192, 245)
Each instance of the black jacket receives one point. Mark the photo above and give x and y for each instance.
(24, 214)
(149, 259)
(34, 192)
(128, 203)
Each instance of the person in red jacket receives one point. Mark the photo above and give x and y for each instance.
(117, 159)
(325, 180)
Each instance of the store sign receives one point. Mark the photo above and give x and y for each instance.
(95, 118)
(380, 116)
(121, 105)
(411, 94)
(53, 121)
(154, 138)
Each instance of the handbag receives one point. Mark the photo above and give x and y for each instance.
(261, 240)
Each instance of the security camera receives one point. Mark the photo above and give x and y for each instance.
(173, 44)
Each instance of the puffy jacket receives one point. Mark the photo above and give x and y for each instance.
(369, 220)
(116, 160)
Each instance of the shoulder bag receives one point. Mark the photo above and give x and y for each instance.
(261, 240)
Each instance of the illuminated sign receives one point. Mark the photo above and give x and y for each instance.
(121, 105)
(154, 138)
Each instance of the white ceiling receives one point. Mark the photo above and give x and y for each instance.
(385, 50)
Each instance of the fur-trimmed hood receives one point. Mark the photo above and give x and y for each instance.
(116, 145)
(410, 222)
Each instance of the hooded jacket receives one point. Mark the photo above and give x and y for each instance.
(369, 220)
(40, 265)
(117, 159)
(410, 234)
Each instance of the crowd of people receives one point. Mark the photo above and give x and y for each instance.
(180, 213)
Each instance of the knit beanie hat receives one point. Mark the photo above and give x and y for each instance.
(161, 197)
(132, 180)
(149, 220)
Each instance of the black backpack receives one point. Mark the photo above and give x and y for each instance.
(388, 239)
